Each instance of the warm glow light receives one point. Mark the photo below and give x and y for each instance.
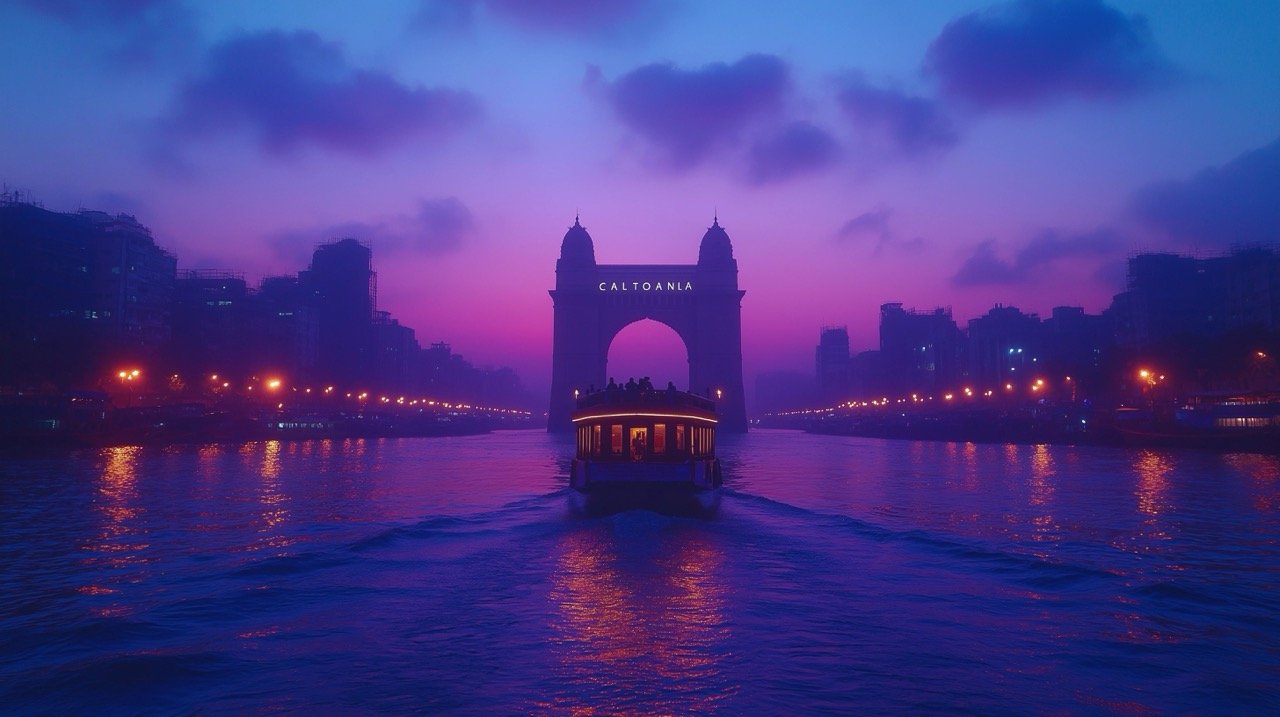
(645, 415)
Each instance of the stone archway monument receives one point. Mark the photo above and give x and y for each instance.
(701, 302)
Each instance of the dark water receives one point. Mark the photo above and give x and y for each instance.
(837, 575)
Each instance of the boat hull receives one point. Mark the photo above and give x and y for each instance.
(590, 476)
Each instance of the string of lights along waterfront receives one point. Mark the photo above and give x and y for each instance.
(460, 575)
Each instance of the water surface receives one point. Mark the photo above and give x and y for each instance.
(459, 575)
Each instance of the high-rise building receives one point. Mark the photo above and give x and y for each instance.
(831, 364)
(1074, 342)
(1004, 345)
(286, 327)
(211, 324)
(80, 292)
(341, 287)
(397, 354)
(919, 351)
(1171, 296)
(132, 284)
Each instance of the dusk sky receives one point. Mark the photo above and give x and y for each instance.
(932, 153)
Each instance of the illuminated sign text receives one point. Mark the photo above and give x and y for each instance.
(646, 286)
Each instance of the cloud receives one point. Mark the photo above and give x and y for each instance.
(985, 268)
(1029, 52)
(798, 148)
(873, 226)
(687, 115)
(447, 16)
(442, 225)
(569, 17)
(894, 122)
(291, 90)
(136, 34)
(1235, 204)
(438, 226)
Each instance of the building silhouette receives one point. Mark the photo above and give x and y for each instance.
(1004, 344)
(831, 364)
(919, 351)
(285, 327)
(1170, 296)
(81, 292)
(212, 324)
(340, 287)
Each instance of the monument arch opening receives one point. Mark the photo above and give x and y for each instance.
(701, 302)
(649, 348)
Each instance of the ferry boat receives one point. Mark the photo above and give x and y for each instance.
(646, 441)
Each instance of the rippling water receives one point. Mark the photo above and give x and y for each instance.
(842, 575)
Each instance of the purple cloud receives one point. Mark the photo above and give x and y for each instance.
(689, 114)
(985, 268)
(1233, 204)
(137, 34)
(568, 17)
(293, 89)
(873, 226)
(1029, 52)
(894, 121)
(798, 148)
(439, 226)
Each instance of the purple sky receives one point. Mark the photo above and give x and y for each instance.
(957, 154)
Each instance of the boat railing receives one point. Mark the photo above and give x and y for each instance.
(645, 398)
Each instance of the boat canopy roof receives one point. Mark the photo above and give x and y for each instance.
(615, 402)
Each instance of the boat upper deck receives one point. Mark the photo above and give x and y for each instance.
(621, 401)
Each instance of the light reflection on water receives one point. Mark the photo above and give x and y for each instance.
(452, 575)
(117, 552)
(640, 636)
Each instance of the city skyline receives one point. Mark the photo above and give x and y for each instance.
(856, 155)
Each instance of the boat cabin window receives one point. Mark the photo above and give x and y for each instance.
(680, 438)
(615, 438)
(639, 443)
(595, 440)
(659, 438)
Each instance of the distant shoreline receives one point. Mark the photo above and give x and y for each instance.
(1267, 444)
(342, 429)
